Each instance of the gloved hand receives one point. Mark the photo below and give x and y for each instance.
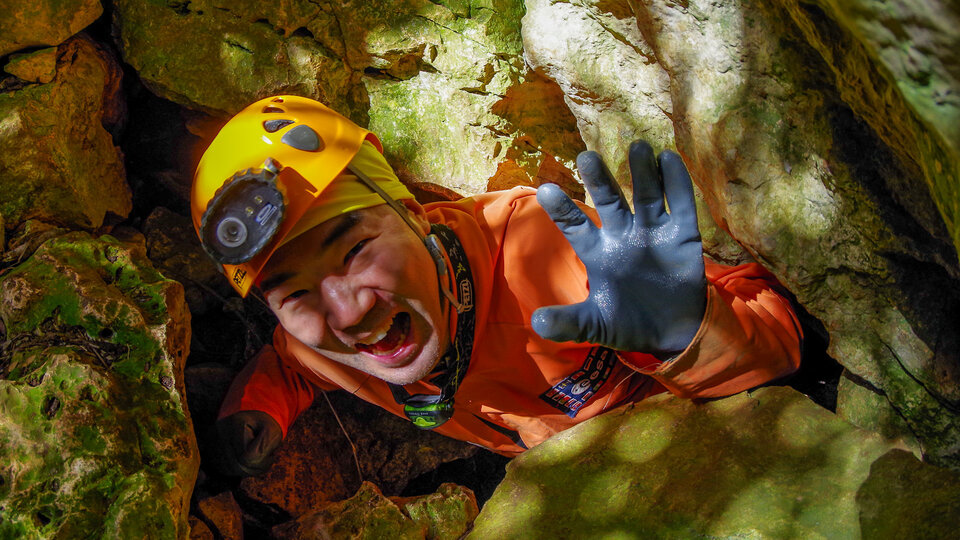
(645, 271)
(247, 441)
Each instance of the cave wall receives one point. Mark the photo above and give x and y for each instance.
(823, 136)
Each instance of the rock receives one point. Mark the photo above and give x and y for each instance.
(36, 67)
(223, 513)
(35, 24)
(903, 498)
(91, 364)
(768, 464)
(59, 163)
(199, 530)
(368, 514)
(316, 464)
(615, 87)
(898, 68)
(444, 515)
(442, 124)
(448, 513)
(174, 248)
(817, 196)
(238, 54)
(861, 404)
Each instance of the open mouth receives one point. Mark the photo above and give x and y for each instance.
(389, 339)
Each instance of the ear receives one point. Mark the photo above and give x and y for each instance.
(419, 214)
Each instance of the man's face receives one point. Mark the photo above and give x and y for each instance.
(361, 289)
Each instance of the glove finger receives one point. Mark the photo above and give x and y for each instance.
(577, 322)
(569, 218)
(678, 187)
(605, 191)
(647, 189)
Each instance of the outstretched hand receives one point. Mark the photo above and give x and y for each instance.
(645, 270)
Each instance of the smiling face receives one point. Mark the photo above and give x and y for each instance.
(361, 289)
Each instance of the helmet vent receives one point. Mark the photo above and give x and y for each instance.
(272, 126)
(277, 100)
(303, 137)
(272, 109)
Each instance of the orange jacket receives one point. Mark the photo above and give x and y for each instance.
(520, 388)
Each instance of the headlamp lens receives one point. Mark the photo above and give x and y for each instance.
(243, 217)
(231, 232)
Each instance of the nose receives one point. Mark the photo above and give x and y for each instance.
(347, 302)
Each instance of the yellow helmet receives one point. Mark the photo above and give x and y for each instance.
(261, 173)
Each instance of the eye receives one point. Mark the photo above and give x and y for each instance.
(357, 248)
(292, 296)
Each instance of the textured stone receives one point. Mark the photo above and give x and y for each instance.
(36, 24)
(316, 464)
(813, 193)
(91, 365)
(368, 514)
(453, 121)
(199, 530)
(239, 53)
(59, 164)
(444, 515)
(768, 464)
(174, 248)
(37, 67)
(223, 513)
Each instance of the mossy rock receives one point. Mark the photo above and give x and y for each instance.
(765, 464)
(95, 434)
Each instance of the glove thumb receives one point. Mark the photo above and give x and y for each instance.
(576, 322)
(248, 440)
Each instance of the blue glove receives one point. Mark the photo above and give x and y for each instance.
(645, 270)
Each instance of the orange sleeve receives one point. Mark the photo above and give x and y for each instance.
(750, 335)
(266, 384)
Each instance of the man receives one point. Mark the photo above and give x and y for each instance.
(499, 319)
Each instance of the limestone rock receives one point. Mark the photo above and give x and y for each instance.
(223, 512)
(768, 464)
(445, 515)
(448, 513)
(454, 120)
(38, 66)
(174, 248)
(95, 436)
(316, 464)
(238, 54)
(897, 65)
(35, 24)
(59, 164)
(783, 163)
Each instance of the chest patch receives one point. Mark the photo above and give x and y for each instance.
(573, 392)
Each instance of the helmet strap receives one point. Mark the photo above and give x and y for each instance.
(430, 240)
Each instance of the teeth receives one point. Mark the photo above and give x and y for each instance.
(378, 334)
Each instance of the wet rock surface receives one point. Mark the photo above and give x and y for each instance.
(95, 434)
(822, 137)
(766, 464)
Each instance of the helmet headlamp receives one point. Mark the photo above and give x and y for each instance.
(243, 216)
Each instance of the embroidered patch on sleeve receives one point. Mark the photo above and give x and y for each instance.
(573, 392)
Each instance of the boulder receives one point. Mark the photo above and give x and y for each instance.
(95, 435)
(444, 515)
(223, 514)
(36, 24)
(59, 163)
(791, 171)
(239, 53)
(34, 67)
(765, 464)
